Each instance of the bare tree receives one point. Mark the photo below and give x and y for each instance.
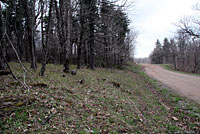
(190, 26)
(174, 52)
(82, 29)
(3, 65)
(29, 10)
(48, 28)
(92, 10)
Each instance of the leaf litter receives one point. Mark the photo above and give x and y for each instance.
(100, 101)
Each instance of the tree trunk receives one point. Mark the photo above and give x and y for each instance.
(81, 36)
(85, 53)
(79, 50)
(174, 60)
(3, 65)
(60, 35)
(91, 26)
(30, 22)
(45, 46)
(68, 45)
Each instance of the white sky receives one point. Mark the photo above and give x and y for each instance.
(155, 19)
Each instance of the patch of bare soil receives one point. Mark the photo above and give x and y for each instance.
(184, 84)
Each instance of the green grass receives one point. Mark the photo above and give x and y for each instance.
(167, 67)
(171, 68)
(139, 105)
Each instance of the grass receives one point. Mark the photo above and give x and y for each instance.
(137, 105)
(170, 67)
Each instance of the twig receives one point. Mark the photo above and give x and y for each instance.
(48, 118)
(15, 77)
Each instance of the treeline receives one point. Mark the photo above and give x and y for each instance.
(182, 51)
(142, 60)
(83, 32)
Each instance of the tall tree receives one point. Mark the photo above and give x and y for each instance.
(166, 51)
(68, 36)
(92, 11)
(157, 54)
(29, 10)
(48, 29)
(82, 15)
(174, 52)
(2, 47)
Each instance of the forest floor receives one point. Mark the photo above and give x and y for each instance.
(183, 84)
(93, 102)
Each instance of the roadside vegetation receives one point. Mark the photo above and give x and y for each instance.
(168, 67)
(171, 68)
(93, 101)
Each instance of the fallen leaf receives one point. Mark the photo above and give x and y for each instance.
(174, 118)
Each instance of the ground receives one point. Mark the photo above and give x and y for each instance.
(183, 84)
(93, 101)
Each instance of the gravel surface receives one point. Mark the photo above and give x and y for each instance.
(183, 84)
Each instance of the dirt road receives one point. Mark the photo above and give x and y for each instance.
(183, 84)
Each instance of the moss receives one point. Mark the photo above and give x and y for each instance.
(7, 109)
(14, 83)
(18, 104)
(7, 99)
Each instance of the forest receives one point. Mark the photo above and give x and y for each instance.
(91, 33)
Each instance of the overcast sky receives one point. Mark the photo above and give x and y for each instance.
(155, 19)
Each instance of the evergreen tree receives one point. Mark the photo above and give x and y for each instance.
(157, 54)
(166, 51)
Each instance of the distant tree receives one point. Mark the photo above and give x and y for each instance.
(166, 51)
(157, 54)
(195, 56)
(173, 52)
(182, 46)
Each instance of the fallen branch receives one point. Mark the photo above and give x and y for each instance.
(15, 77)
(18, 58)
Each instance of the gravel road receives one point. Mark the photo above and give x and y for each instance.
(183, 84)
